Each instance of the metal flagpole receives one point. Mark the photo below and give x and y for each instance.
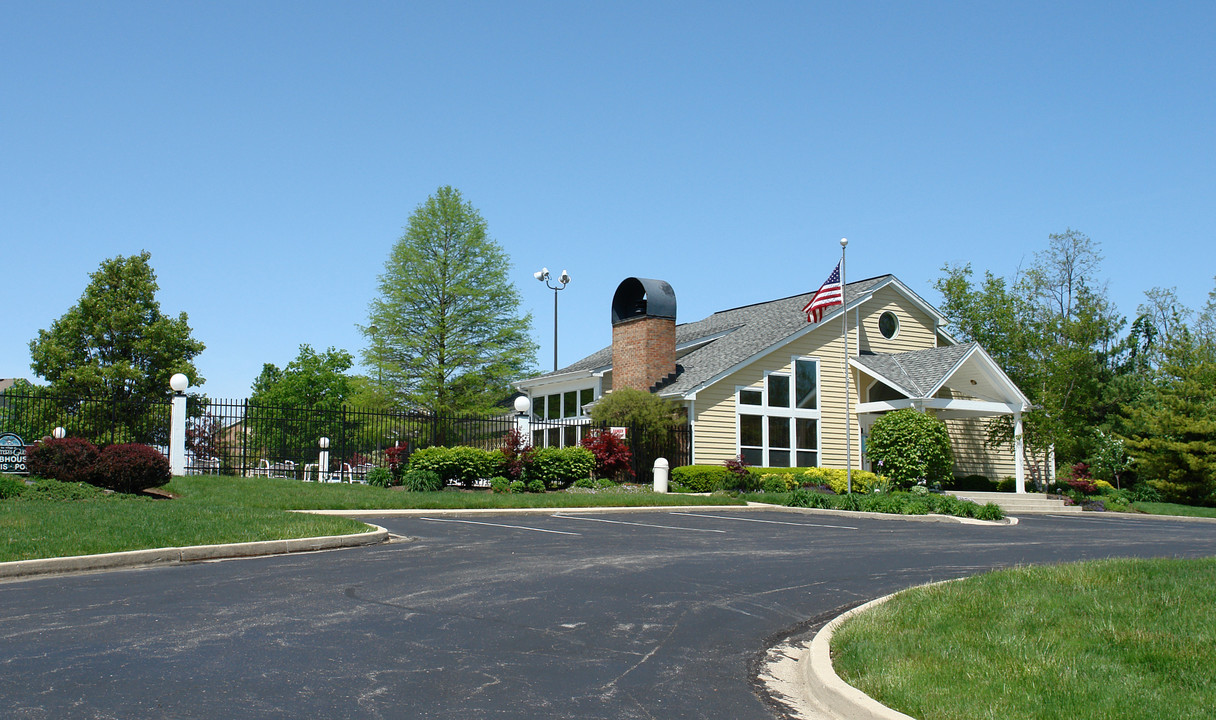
(848, 391)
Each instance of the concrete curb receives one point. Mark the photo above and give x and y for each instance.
(753, 506)
(834, 696)
(414, 512)
(802, 676)
(192, 553)
(1007, 521)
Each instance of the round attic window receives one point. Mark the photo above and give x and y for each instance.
(888, 325)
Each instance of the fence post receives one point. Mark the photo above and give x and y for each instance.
(523, 420)
(177, 425)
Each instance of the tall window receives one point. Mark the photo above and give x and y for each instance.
(779, 422)
(560, 419)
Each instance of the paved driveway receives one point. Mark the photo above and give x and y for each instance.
(640, 615)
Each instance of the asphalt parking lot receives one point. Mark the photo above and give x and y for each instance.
(650, 614)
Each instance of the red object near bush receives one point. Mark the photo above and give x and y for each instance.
(131, 468)
(65, 459)
(612, 455)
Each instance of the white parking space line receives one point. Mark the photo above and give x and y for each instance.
(513, 527)
(770, 522)
(622, 522)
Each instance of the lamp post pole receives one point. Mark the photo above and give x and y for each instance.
(543, 276)
(373, 330)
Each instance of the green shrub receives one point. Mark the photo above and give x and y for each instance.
(131, 468)
(471, 464)
(500, 485)
(380, 477)
(586, 483)
(436, 459)
(975, 483)
(989, 511)
(559, 467)
(699, 478)
(908, 446)
(422, 480)
(1143, 492)
(741, 481)
(461, 464)
(535, 486)
(775, 482)
(1005, 485)
(902, 503)
(518, 486)
(68, 459)
(838, 479)
(11, 487)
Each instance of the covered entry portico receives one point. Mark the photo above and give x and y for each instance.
(958, 381)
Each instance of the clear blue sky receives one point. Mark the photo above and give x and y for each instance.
(268, 154)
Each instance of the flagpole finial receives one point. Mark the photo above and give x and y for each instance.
(844, 242)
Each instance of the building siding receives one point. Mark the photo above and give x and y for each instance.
(715, 423)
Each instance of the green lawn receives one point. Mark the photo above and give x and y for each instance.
(1121, 639)
(60, 519)
(295, 495)
(1160, 508)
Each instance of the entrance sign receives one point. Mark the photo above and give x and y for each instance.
(12, 453)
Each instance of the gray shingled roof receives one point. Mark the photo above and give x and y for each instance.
(918, 372)
(744, 332)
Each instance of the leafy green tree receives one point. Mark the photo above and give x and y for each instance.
(449, 334)
(1056, 334)
(906, 446)
(116, 344)
(649, 415)
(293, 407)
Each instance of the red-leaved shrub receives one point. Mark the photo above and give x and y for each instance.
(131, 468)
(68, 459)
(612, 456)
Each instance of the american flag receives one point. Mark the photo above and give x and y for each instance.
(829, 294)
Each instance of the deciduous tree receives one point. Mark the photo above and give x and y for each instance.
(449, 333)
(116, 344)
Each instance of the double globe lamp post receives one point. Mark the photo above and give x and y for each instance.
(543, 276)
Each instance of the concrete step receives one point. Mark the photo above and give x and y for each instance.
(1014, 503)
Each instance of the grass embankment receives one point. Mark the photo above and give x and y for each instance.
(55, 519)
(1108, 639)
(1161, 508)
(60, 519)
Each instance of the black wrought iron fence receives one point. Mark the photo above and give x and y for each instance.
(34, 414)
(236, 437)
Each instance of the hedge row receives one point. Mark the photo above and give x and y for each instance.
(553, 467)
(899, 503)
(128, 468)
(708, 478)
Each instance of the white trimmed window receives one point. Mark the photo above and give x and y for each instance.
(778, 422)
(565, 411)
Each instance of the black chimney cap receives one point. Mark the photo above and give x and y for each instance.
(643, 297)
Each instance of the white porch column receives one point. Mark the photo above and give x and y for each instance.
(1019, 455)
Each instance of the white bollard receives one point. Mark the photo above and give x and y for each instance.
(323, 460)
(177, 425)
(660, 475)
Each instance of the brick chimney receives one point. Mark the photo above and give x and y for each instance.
(643, 333)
